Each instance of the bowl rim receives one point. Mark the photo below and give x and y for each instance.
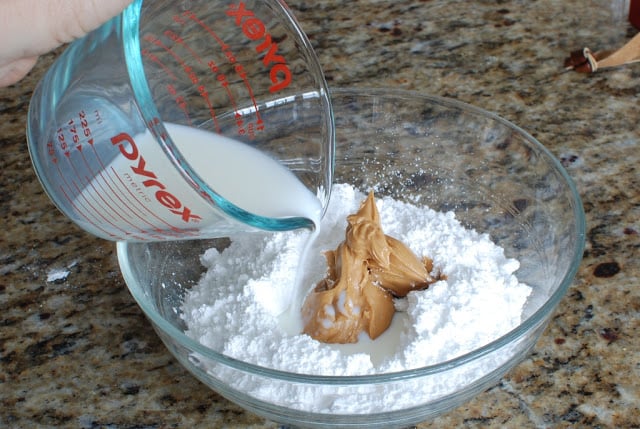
(510, 337)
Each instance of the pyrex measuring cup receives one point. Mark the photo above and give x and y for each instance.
(179, 119)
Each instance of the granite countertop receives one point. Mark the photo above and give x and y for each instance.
(75, 350)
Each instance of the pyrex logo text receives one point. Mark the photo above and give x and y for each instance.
(254, 29)
(163, 196)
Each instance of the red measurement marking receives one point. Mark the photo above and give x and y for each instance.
(90, 214)
(100, 210)
(131, 207)
(114, 191)
(157, 42)
(86, 217)
(62, 143)
(78, 206)
(51, 150)
(73, 202)
(75, 137)
(104, 208)
(192, 16)
(118, 206)
(182, 105)
(232, 60)
(121, 190)
(193, 77)
(243, 75)
(188, 70)
(222, 79)
(154, 123)
(154, 58)
(180, 41)
(84, 123)
(205, 95)
(146, 208)
(238, 68)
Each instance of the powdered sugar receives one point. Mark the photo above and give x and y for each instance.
(244, 305)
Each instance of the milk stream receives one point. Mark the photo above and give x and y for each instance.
(252, 180)
(141, 195)
(291, 319)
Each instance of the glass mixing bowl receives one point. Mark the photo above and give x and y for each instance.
(449, 156)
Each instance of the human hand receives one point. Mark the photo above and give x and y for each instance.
(30, 28)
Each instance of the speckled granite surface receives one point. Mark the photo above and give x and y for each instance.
(75, 351)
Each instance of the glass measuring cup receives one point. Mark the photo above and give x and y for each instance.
(180, 119)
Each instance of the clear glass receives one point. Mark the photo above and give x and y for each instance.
(244, 70)
(440, 153)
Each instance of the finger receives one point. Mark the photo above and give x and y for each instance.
(16, 70)
(75, 18)
(35, 27)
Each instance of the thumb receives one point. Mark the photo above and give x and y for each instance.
(46, 24)
(34, 27)
(65, 20)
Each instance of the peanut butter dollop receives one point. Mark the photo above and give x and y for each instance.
(364, 273)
